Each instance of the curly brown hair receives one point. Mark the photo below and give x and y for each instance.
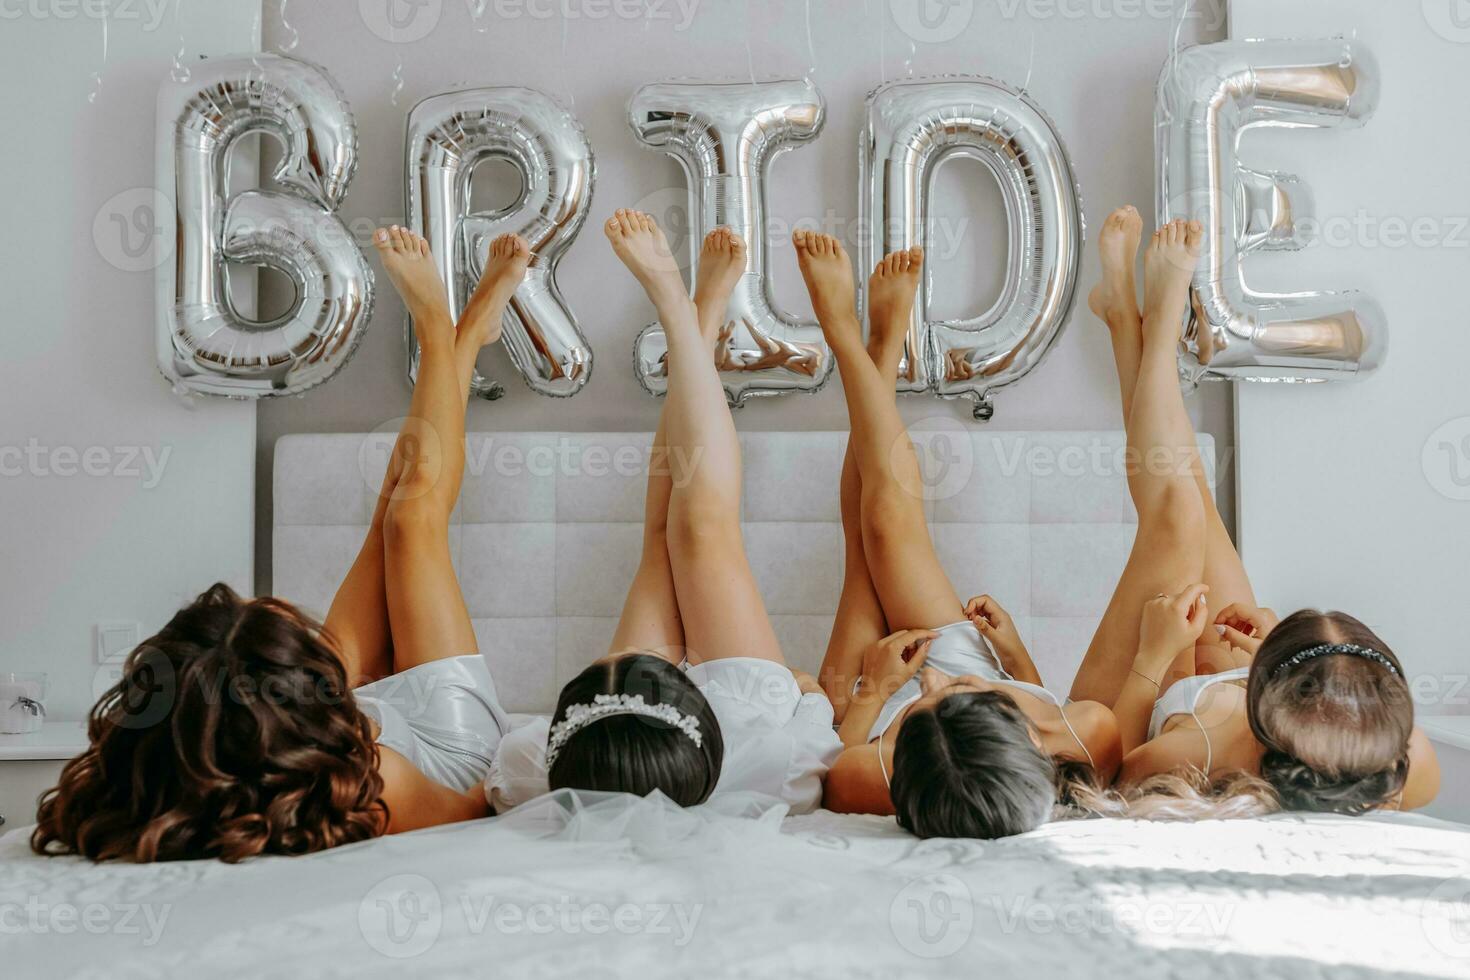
(232, 733)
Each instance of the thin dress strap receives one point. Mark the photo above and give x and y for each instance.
(883, 766)
(1068, 722)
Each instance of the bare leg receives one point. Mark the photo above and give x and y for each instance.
(1168, 551)
(358, 618)
(1115, 302)
(723, 613)
(860, 620)
(650, 622)
(912, 585)
(426, 609)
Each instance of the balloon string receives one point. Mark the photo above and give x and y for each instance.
(397, 80)
(477, 14)
(566, 74)
(1176, 47)
(97, 75)
(882, 47)
(1030, 62)
(749, 51)
(811, 47)
(295, 36)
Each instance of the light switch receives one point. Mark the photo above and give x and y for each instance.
(115, 640)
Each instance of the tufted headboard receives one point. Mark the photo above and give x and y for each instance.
(547, 534)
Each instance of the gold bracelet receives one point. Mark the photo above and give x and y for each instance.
(1145, 677)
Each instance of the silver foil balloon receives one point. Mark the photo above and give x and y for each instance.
(205, 345)
(449, 136)
(725, 136)
(914, 126)
(1207, 97)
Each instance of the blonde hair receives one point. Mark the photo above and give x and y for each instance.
(1184, 794)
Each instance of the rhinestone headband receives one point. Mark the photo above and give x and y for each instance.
(1327, 649)
(579, 716)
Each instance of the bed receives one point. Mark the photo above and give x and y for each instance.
(595, 887)
(545, 541)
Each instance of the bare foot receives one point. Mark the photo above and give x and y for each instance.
(505, 268)
(891, 292)
(640, 243)
(721, 264)
(409, 265)
(1168, 269)
(828, 275)
(1118, 245)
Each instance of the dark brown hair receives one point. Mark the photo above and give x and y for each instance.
(634, 753)
(1336, 728)
(232, 733)
(969, 767)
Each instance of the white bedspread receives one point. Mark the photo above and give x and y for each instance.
(608, 887)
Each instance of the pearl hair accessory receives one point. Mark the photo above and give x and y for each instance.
(579, 716)
(1351, 649)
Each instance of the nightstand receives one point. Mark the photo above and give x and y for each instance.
(30, 765)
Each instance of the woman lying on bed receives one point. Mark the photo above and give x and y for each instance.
(694, 696)
(241, 728)
(1317, 706)
(971, 745)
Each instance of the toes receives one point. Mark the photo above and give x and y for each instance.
(645, 220)
(610, 227)
(396, 234)
(382, 238)
(916, 257)
(737, 244)
(625, 221)
(798, 239)
(1193, 233)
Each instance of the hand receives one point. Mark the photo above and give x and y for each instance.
(1245, 626)
(991, 619)
(890, 662)
(1172, 623)
(806, 683)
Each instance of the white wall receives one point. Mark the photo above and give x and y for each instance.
(79, 545)
(1358, 496)
(1094, 74)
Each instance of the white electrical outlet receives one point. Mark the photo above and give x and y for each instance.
(115, 640)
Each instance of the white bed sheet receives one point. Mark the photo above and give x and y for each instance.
(608, 887)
